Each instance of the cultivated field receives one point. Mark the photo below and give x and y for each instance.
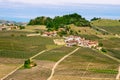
(8, 64)
(13, 45)
(113, 46)
(40, 72)
(44, 62)
(55, 54)
(86, 64)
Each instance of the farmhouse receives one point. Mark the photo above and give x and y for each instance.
(49, 34)
(76, 40)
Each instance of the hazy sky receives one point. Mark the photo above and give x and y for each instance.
(24, 10)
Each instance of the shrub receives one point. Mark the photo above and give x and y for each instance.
(103, 50)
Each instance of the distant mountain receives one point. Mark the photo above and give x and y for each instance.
(12, 22)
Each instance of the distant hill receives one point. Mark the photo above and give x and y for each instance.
(107, 25)
(60, 21)
(12, 22)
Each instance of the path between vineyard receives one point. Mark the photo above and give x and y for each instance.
(56, 64)
(118, 75)
(22, 65)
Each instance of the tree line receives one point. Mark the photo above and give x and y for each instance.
(60, 21)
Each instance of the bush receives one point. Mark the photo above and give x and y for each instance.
(103, 50)
(27, 64)
(100, 44)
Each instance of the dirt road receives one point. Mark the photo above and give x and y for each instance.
(56, 64)
(22, 65)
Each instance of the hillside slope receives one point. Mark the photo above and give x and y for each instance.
(107, 25)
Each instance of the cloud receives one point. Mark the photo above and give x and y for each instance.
(63, 2)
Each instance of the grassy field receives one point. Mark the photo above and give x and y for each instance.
(21, 46)
(112, 45)
(112, 26)
(85, 30)
(86, 63)
(34, 28)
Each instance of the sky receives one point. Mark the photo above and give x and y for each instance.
(24, 10)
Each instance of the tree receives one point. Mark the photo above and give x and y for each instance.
(100, 44)
(103, 50)
(29, 64)
(93, 19)
(60, 21)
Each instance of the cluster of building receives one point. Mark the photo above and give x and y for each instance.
(8, 27)
(76, 40)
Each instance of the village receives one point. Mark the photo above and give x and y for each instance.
(67, 41)
(72, 40)
(7, 27)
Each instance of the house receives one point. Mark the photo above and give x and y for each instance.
(71, 43)
(50, 34)
(76, 40)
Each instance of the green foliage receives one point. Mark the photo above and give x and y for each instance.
(27, 64)
(62, 33)
(100, 44)
(93, 19)
(103, 50)
(104, 71)
(22, 27)
(59, 22)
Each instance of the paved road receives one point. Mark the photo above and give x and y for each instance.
(56, 64)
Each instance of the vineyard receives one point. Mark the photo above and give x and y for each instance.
(21, 46)
(86, 64)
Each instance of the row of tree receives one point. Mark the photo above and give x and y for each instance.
(60, 21)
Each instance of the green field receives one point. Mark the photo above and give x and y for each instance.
(86, 63)
(55, 54)
(111, 26)
(18, 46)
(113, 46)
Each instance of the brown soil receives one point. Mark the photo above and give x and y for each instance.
(40, 72)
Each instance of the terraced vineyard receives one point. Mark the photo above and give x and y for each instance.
(45, 62)
(18, 46)
(55, 54)
(86, 64)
